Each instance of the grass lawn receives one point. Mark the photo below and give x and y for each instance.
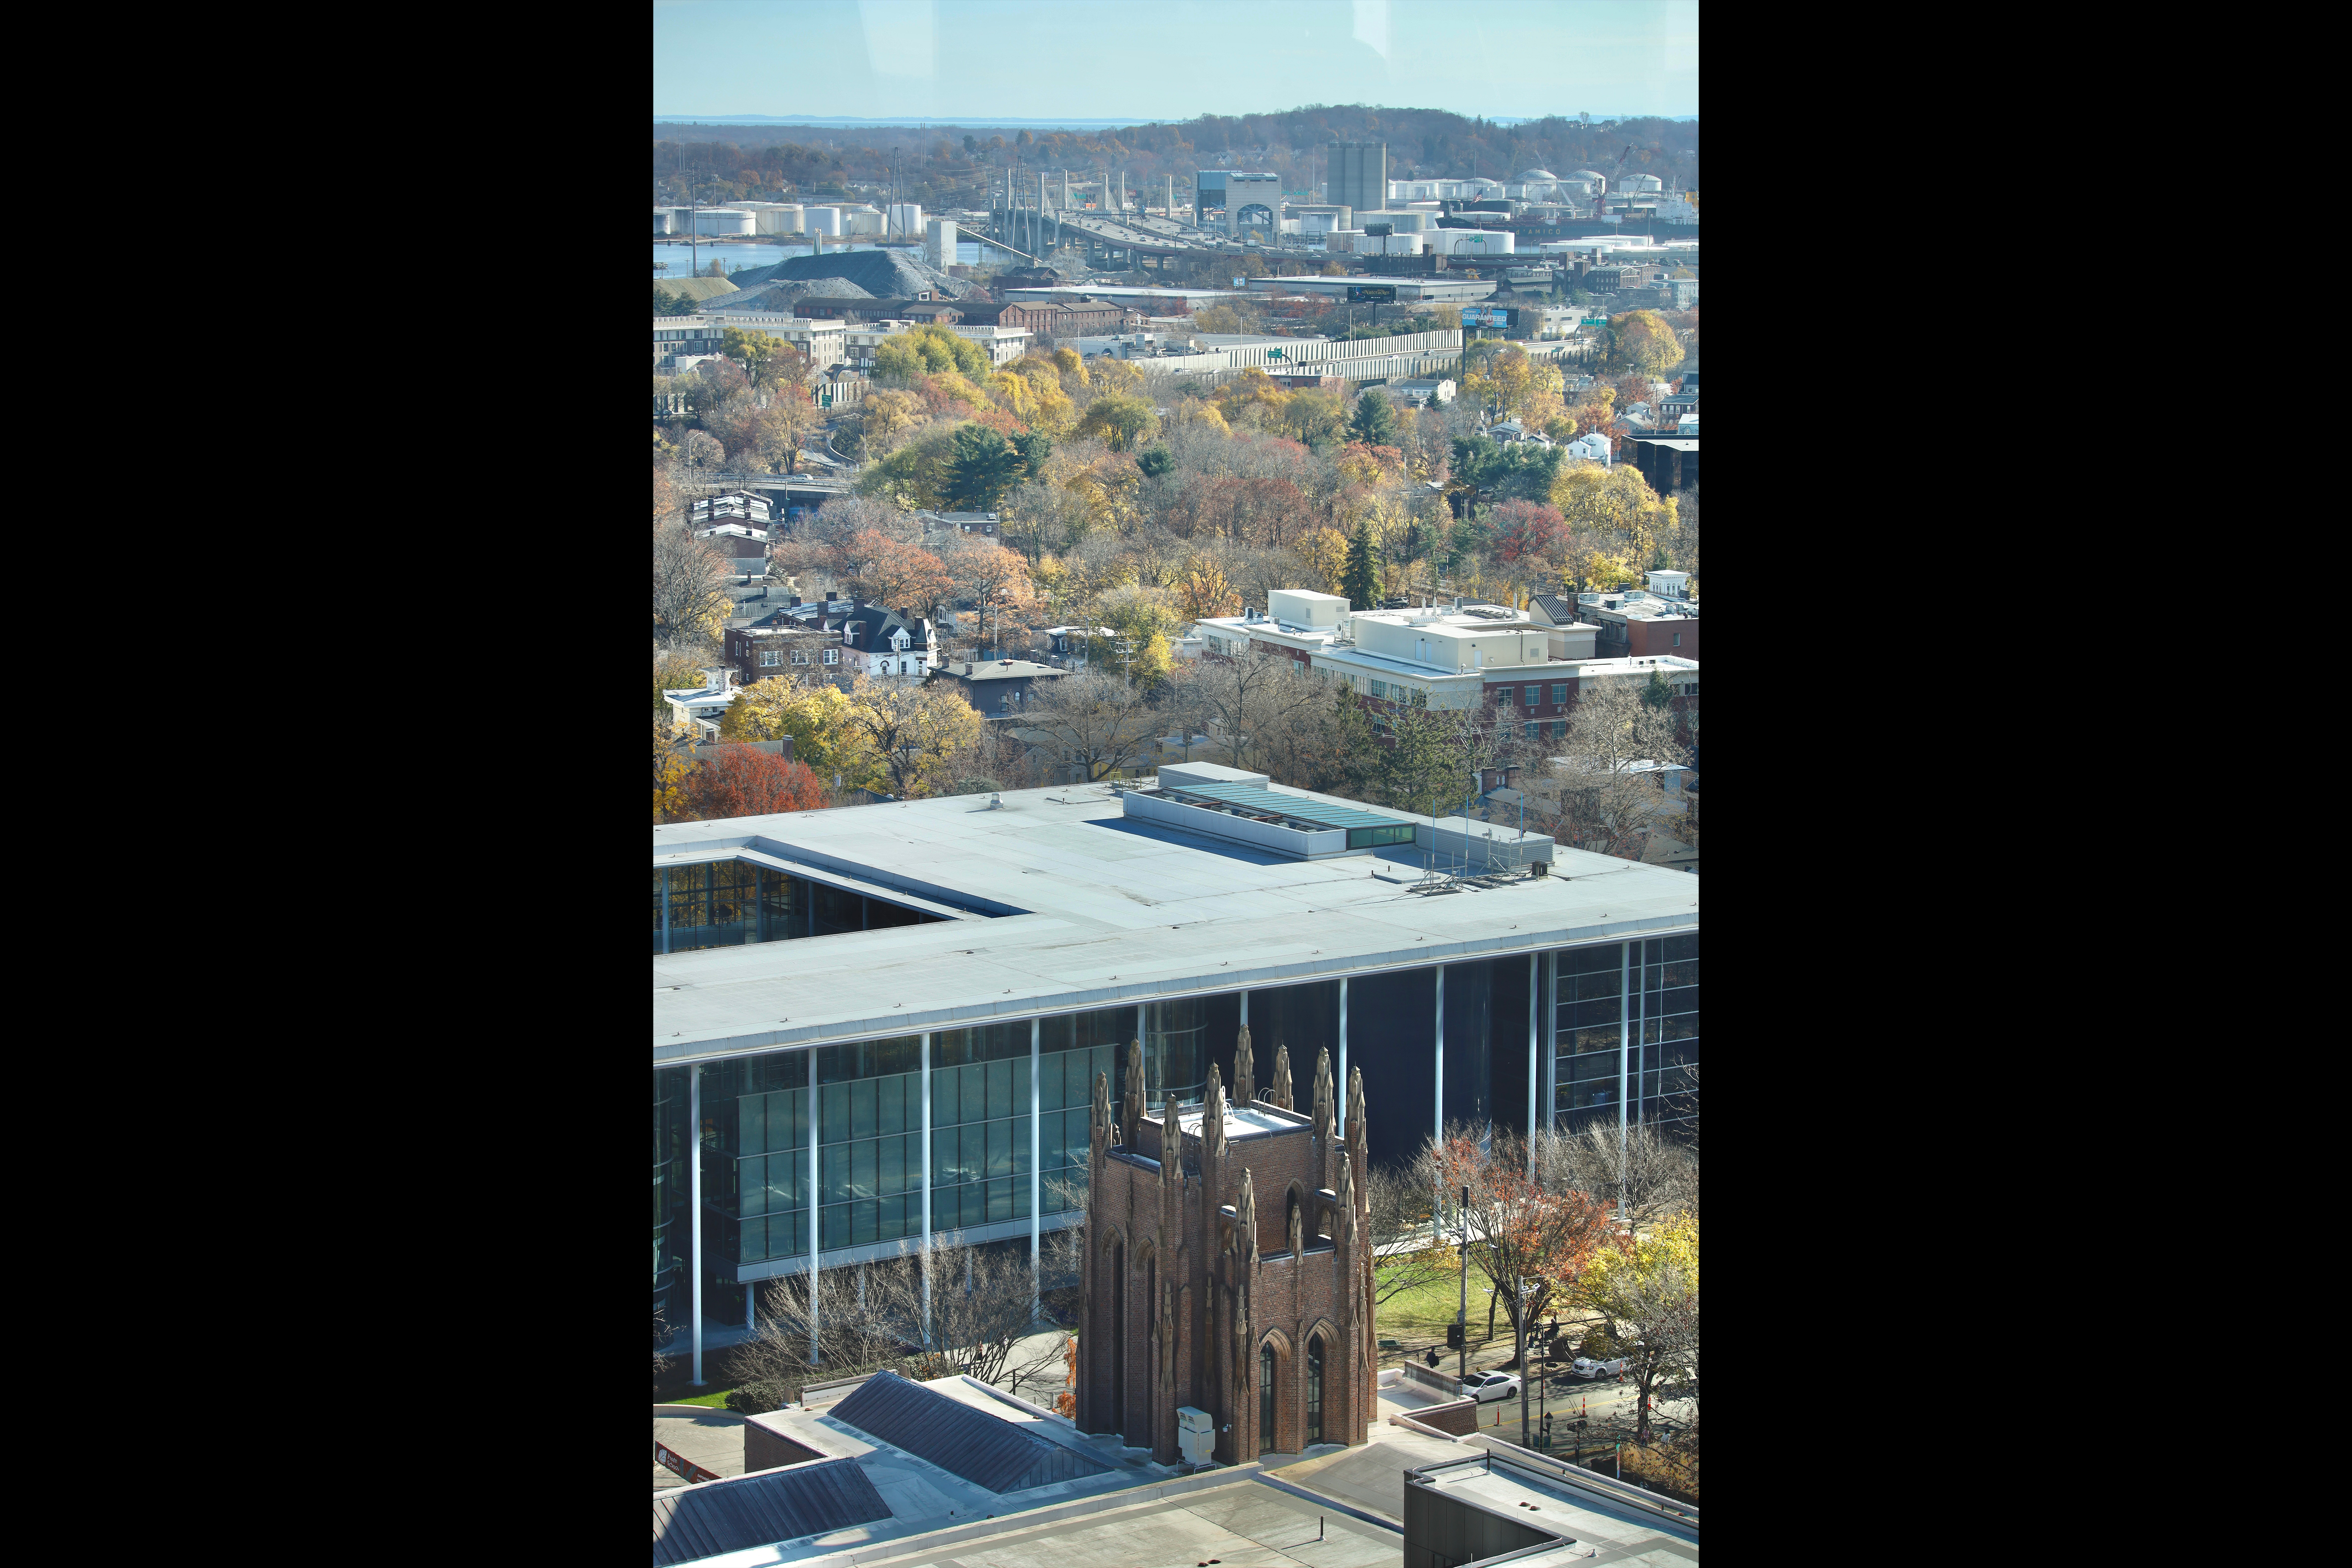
(1424, 1310)
(715, 1401)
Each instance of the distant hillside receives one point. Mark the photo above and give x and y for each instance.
(945, 165)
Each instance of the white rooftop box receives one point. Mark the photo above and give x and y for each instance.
(1302, 607)
(1182, 773)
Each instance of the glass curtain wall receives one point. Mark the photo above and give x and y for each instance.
(670, 1195)
(1071, 1051)
(755, 1165)
(1307, 1019)
(1668, 1040)
(1469, 1044)
(980, 1126)
(728, 903)
(1656, 1017)
(1176, 1050)
(870, 1132)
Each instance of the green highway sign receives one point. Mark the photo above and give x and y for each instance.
(1596, 321)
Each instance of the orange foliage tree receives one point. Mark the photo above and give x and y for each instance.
(743, 781)
(1518, 1230)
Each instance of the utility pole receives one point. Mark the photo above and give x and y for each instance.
(1462, 1313)
(1520, 1310)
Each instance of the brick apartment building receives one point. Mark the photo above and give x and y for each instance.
(1661, 621)
(1228, 1266)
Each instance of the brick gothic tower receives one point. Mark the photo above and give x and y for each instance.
(1228, 1267)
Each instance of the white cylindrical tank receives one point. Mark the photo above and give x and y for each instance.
(1646, 182)
(861, 220)
(1390, 244)
(1342, 239)
(780, 217)
(821, 220)
(724, 221)
(905, 218)
(1599, 181)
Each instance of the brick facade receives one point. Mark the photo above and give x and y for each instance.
(1212, 1238)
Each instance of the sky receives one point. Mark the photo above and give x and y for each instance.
(967, 60)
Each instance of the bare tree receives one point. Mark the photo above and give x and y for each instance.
(690, 582)
(1244, 701)
(1597, 799)
(1639, 1171)
(1097, 723)
(971, 1307)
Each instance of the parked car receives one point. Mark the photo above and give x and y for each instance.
(1587, 1367)
(1496, 1386)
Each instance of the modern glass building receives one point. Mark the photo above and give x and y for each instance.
(922, 1071)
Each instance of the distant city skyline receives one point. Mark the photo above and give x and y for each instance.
(1000, 62)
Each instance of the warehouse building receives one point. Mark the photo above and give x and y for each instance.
(887, 1023)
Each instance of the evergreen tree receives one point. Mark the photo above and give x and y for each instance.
(1362, 581)
(1033, 446)
(983, 466)
(1155, 462)
(1659, 692)
(1375, 423)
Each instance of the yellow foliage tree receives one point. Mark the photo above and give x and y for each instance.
(1067, 361)
(1202, 591)
(912, 732)
(1614, 507)
(1325, 552)
(817, 715)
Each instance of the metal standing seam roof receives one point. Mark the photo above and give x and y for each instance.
(962, 1441)
(746, 1512)
(1250, 797)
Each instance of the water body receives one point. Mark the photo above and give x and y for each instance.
(683, 259)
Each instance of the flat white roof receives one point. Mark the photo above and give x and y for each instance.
(1107, 911)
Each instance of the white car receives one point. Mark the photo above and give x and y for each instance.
(1587, 1367)
(1496, 1386)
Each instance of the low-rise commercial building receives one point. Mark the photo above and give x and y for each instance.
(1669, 463)
(1636, 622)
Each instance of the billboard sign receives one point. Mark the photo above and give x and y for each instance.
(670, 1460)
(1371, 293)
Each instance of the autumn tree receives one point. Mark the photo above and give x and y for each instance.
(1518, 1230)
(815, 714)
(673, 759)
(743, 781)
(994, 580)
(1644, 1288)
(1615, 506)
(1119, 420)
(912, 730)
(1640, 341)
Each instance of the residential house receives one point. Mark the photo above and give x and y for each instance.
(998, 688)
(746, 507)
(697, 709)
(834, 638)
(1420, 391)
(746, 549)
(1592, 446)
